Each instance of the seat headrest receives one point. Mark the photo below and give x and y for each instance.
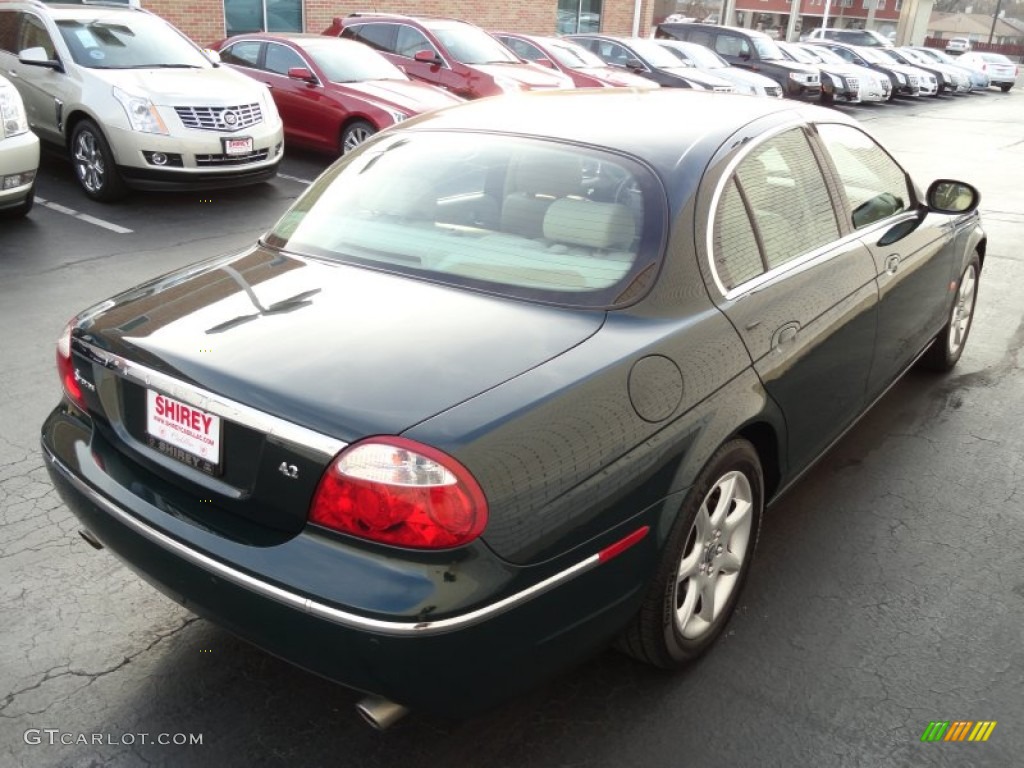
(548, 174)
(594, 225)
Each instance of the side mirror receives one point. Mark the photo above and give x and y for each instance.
(879, 207)
(36, 57)
(635, 65)
(948, 196)
(544, 62)
(301, 73)
(426, 57)
(212, 55)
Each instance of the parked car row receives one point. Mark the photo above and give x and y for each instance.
(140, 106)
(852, 65)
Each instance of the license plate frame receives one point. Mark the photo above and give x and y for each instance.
(189, 435)
(237, 146)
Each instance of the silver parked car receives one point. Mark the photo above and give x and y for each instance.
(134, 101)
(19, 154)
(979, 78)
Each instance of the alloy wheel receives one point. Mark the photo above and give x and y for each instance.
(89, 162)
(716, 549)
(355, 136)
(963, 311)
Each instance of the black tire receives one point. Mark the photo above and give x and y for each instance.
(948, 346)
(355, 133)
(21, 210)
(94, 164)
(669, 630)
(1005, 87)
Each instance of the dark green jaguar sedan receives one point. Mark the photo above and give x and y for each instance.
(510, 383)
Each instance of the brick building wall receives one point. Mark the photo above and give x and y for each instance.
(617, 17)
(203, 20)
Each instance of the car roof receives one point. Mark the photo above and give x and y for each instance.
(68, 11)
(699, 25)
(656, 126)
(291, 37)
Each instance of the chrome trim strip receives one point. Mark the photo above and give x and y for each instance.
(304, 604)
(213, 403)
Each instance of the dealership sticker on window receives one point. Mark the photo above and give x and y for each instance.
(183, 432)
(238, 146)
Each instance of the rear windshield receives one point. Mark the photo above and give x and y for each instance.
(518, 217)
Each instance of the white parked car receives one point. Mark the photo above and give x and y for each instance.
(871, 85)
(1000, 70)
(958, 45)
(19, 154)
(134, 101)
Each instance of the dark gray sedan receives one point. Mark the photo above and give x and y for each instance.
(509, 383)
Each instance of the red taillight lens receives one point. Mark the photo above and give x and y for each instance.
(397, 491)
(66, 368)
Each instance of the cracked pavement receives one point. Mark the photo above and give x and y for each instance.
(888, 588)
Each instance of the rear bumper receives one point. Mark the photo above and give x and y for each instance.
(529, 627)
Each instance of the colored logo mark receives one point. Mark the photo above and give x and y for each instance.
(958, 730)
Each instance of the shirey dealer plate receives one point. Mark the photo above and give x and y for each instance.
(183, 432)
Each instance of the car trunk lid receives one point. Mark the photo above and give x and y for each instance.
(272, 363)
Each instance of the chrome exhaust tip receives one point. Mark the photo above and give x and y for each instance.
(90, 539)
(379, 712)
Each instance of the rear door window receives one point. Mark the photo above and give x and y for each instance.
(242, 54)
(775, 209)
(378, 36)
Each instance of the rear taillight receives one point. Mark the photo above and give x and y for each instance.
(400, 492)
(66, 368)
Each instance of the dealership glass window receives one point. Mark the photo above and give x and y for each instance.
(578, 16)
(262, 16)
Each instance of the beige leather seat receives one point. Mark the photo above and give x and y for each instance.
(533, 184)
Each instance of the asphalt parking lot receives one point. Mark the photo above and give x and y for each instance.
(887, 592)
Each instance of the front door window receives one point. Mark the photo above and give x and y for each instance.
(578, 16)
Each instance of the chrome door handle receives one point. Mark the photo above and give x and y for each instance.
(785, 335)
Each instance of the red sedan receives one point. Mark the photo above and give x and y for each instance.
(584, 67)
(332, 94)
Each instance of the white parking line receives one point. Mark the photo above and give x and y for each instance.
(84, 217)
(294, 178)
